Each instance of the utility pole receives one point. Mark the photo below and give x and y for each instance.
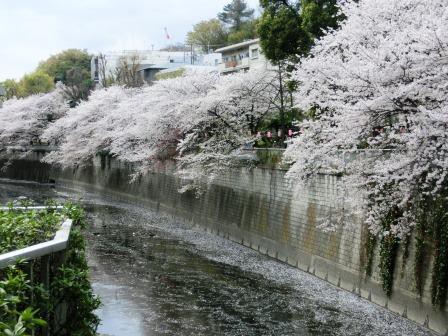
(2, 95)
(282, 103)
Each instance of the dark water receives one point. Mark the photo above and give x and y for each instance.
(157, 278)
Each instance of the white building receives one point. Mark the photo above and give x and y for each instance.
(150, 62)
(212, 59)
(242, 56)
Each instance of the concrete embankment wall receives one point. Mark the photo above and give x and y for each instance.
(260, 209)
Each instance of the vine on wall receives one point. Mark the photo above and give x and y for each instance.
(430, 236)
(440, 243)
(388, 252)
(370, 252)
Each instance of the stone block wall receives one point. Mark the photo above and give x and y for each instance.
(260, 209)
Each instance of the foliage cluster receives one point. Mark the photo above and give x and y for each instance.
(234, 24)
(288, 28)
(431, 235)
(60, 65)
(377, 88)
(70, 67)
(17, 316)
(19, 229)
(33, 83)
(170, 75)
(25, 305)
(201, 118)
(22, 121)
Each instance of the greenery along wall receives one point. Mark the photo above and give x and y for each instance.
(26, 306)
(430, 240)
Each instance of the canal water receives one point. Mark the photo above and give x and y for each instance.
(156, 276)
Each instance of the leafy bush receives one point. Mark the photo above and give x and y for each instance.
(21, 228)
(25, 305)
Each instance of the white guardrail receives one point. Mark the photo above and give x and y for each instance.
(58, 243)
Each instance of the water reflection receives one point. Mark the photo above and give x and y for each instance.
(119, 315)
(178, 292)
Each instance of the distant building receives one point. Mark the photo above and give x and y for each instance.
(242, 56)
(150, 62)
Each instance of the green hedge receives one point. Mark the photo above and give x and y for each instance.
(25, 305)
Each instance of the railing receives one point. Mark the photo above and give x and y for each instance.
(235, 64)
(43, 207)
(232, 64)
(44, 252)
(58, 243)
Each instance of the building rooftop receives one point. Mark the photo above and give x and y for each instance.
(237, 46)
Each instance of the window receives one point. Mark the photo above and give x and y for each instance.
(254, 53)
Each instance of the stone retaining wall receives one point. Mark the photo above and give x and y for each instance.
(259, 209)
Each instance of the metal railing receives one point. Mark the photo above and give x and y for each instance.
(58, 243)
(44, 252)
(38, 207)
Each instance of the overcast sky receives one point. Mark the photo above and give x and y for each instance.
(31, 30)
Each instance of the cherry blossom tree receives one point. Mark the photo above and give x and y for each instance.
(133, 124)
(379, 89)
(22, 121)
(201, 119)
(224, 122)
(85, 131)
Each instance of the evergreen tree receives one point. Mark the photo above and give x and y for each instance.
(288, 28)
(280, 30)
(235, 14)
(247, 31)
(319, 15)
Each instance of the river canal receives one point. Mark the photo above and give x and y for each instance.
(156, 276)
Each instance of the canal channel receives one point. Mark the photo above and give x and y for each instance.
(158, 276)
